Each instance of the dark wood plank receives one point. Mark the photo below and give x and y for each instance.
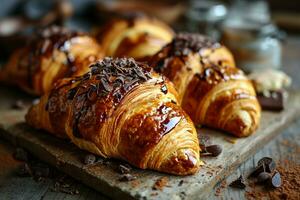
(68, 158)
(277, 149)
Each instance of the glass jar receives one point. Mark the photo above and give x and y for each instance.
(250, 35)
(254, 45)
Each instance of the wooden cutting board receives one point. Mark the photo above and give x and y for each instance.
(104, 178)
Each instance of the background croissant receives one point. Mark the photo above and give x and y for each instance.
(52, 54)
(211, 89)
(137, 37)
(122, 109)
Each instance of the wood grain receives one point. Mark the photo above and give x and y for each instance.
(68, 158)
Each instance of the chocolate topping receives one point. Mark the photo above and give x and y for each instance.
(107, 82)
(185, 43)
(43, 44)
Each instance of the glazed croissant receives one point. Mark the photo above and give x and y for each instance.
(136, 37)
(121, 109)
(52, 54)
(211, 89)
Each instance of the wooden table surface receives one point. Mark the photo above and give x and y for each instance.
(13, 187)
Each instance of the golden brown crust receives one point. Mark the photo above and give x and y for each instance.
(211, 89)
(122, 109)
(51, 54)
(137, 37)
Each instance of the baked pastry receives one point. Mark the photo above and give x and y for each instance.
(138, 37)
(53, 53)
(211, 89)
(121, 109)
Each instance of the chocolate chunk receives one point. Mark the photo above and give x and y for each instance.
(214, 150)
(124, 169)
(274, 101)
(263, 177)
(89, 159)
(127, 177)
(276, 180)
(24, 170)
(19, 105)
(238, 183)
(21, 154)
(180, 183)
(269, 164)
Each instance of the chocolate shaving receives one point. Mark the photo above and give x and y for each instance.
(238, 183)
(185, 43)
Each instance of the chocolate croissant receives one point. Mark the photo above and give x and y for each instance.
(52, 54)
(211, 89)
(137, 37)
(121, 109)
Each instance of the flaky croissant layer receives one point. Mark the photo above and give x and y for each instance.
(211, 89)
(53, 53)
(136, 37)
(121, 109)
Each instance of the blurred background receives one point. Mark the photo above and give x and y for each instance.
(253, 29)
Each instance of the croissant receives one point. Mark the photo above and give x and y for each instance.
(51, 54)
(211, 89)
(137, 37)
(121, 109)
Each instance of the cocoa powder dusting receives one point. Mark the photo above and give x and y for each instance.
(289, 189)
(160, 183)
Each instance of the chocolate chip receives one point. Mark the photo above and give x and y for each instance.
(263, 177)
(89, 159)
(21, 154)
(214, 150)
(24, 170)
(19, 105)
(238, 183)
(268, 163)
(257, 170)
(127, 177)
(124, 169)
(276, 180)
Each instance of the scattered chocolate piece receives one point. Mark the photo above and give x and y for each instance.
(21, 154)
(274, 101)
(214, 150)
(238, 183)
(127, 177)
(89, 159)
(24, 170)
(160, 183)
(276, 180)
(257, 170)
(269, 164)
(124, 169)
(19, 105)
(180, 183)
(263, 177)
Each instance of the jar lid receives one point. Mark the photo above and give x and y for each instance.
(210, 11)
